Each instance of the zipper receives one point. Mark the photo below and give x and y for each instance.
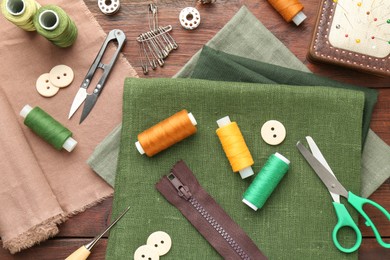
(184, 192)
(181, 189)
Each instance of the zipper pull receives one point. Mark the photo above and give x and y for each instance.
(183, 190)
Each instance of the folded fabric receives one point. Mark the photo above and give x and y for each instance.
(242, 36)
(297, 219)
(217, 65)
(40, 186)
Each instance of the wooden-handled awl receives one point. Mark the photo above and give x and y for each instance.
(84, 251)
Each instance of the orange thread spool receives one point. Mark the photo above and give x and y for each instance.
(166, 133)
(235, 148)
(290, 10)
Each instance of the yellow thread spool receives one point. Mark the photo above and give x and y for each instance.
(235, 148)
(20, 12)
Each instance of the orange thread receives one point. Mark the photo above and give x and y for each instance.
(234, 146)
(166, 133)
(288, 9)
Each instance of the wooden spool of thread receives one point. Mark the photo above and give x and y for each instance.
(48, 128)
(20, 12)
(266, 181)
(290, 10)
(235, 148)
(166, 133)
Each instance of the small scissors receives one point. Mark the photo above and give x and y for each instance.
(322, 169)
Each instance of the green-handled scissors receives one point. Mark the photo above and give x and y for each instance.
(322, 169)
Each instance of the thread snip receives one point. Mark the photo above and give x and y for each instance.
(290, 10)
(53, 23)
(48, 128)
(235, 148)
(166, 133)
(20, 12)
(266, 181)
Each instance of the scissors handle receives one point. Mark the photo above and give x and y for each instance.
(358, 203)
(345, 220)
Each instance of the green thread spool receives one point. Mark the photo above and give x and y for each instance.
(48, 128)
(54, 24)
(266, 181)
(20, 12)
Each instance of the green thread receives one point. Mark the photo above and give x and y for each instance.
(20, 12)
(62, 35)
(266, 181)
(47, 127)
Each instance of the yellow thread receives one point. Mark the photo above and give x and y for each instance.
(234, 146)
(166, 133)
(20, 13)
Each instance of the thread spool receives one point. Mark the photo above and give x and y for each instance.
(266, 181)
(290, 10)
(48, 128)
(166, 133)
(20, 12)
(54, 24)
(235, 148)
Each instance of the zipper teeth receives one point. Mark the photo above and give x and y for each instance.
(236, 247)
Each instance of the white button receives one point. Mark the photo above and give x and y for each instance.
(146, 252)
(61, 76)
(273, 132)
(161, 241)
(44, 86)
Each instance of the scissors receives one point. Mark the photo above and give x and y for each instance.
(324, 172)
(82, 95)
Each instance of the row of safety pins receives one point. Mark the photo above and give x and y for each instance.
(155, 44)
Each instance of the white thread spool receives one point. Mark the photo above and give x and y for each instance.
(109, 7)
(49, 20)
(15, 7)
(189, 18)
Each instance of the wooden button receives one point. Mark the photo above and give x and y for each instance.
(273, 132)
(146, 252)
(161, 241)
(61, 76)
(44, 86)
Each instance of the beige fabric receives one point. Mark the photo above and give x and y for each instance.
(40, 186)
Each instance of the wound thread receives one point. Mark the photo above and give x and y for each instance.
(289, 9)
(48, 128)
(166, 133)
(20, 12)
(266, 181)
(234, 146)
(53, 23)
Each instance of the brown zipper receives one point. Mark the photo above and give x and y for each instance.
(183, 191)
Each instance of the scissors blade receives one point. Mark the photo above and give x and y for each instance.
(317, 154)
(88, 105)
(77, 101)
(326, 177)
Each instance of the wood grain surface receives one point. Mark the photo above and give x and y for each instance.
(132, 19)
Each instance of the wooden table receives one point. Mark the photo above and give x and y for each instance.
(132, 19)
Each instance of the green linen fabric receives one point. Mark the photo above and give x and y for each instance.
(297, 220)
(217, 65)
(241, 36)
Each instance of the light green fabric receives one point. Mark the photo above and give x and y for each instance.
(242, 36)
(297, 220)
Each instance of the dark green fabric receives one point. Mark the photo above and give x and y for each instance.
(217, 65)
(297, 220)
